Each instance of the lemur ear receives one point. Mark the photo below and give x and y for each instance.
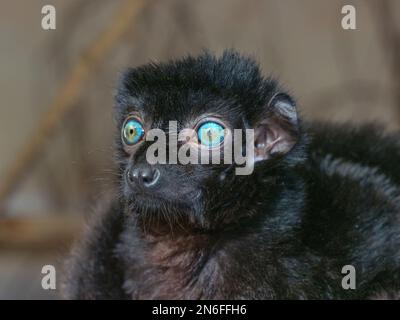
(278, 131)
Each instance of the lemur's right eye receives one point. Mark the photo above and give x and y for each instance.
(132, 131)
(211, 134)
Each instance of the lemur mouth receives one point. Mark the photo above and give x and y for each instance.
(166, 218)
(143, 198)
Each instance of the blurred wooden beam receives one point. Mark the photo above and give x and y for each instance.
(53, 232)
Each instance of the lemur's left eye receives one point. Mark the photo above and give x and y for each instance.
(211, 134)
(132, 131)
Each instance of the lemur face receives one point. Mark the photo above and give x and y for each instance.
(197, 105)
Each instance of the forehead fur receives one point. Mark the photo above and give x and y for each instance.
(230, 77)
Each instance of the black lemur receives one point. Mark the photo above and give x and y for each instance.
(320, 197)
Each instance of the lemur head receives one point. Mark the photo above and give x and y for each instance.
(198, 103)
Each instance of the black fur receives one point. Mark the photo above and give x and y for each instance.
(283, 232)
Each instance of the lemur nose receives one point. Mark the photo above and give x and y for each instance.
(145, 176)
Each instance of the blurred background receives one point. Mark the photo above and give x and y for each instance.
(56, 126)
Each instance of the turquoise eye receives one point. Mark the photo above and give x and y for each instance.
(211, 134)
(132, 132)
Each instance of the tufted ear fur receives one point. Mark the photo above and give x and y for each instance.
(278, 131)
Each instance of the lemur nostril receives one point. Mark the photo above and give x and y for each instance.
(132, 175)
(149, 176)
